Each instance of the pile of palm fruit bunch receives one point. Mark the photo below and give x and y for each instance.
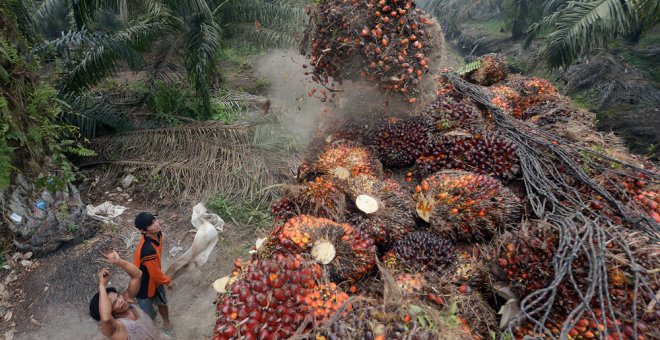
(382, 41)
(549, 230)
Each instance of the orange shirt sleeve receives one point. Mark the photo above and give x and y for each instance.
(155, 273)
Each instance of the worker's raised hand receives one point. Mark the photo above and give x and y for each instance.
(110, 255)
(104, 276)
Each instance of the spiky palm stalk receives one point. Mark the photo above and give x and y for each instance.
(577, 27)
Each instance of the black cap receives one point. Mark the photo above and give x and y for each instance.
(94, 303)
(144, 220)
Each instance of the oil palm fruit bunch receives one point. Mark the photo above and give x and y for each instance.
(492, 69)
(399, 141)
(527, 262)
(321, 197)
(410, 284)
(267, 302)
(424, 251)
(323, 301)
(483, 153)
(344, 160)
(384, 207)
(345, 252)
(447, 113)
(373, 320)
(521, 95)
(464, 205)
(284, 209)
(388, 40)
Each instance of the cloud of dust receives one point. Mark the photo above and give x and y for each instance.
(302, 114)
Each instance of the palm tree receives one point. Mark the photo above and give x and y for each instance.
(185, 38)
(577, 27)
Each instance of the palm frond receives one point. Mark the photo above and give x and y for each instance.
(202, 43)
(273, 138)
(246, 34)
(268, 24)
(23, 11)
(48, 9)
(102, 57)
(88, 113)
(577, 27)
(240, 100)
(166, 61)
(191, 161)
(188, 7)
(584, 26)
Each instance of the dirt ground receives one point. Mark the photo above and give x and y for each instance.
(54, 300)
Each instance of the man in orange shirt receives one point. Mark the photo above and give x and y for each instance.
(148, 259)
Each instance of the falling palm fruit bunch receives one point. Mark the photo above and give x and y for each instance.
(371, 320)
(346, 160)
(424, 251)
(344, 251)
(464, 205)
(267, 302)
(399, 141)
(385, 209)
(483, 153)
(385, 41)
(492, 69)
(447, 113)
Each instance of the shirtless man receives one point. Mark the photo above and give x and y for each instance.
(120, 317)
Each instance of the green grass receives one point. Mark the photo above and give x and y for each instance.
(254, 214)
(632, 53)
(224, 113)
(489, 29)
(584, 100)
(239, 57)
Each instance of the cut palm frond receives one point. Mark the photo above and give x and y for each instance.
(193, 161)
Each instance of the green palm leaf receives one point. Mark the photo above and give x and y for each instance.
(103, 55)
(202, 43)
(577, 27)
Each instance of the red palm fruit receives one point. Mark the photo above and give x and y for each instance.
(484, 153)
(399, 141)
(464, 205)
(346, 253)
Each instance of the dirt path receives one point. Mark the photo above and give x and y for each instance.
(58, 289)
